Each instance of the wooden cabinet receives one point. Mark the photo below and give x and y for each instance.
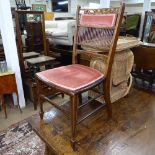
(8, 86)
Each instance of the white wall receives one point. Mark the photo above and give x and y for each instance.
(132, 6)
(9, 43)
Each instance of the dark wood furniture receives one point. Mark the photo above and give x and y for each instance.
(34, 40)
(20, 44)
(144, 54)
(21, 5)
(8, 86)
(28, 55)
(75, 79)
(144, 59)
(33, 30)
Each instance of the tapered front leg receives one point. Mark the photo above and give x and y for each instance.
(41, 113)
(40, 99)
(74, 102)
(109, 108)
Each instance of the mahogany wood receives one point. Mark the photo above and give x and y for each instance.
(144, 59)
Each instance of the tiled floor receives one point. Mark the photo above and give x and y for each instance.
(15, 116)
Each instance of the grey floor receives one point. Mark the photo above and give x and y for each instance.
(15, 116)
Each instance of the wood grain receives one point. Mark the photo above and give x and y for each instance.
(132, 132)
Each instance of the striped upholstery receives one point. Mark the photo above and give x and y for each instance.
(96, 28)
(95, 37)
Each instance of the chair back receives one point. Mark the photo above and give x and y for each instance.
(98, 30)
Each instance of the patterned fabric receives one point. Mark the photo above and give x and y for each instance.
(96, 28)
(96, 38)
(20, 140)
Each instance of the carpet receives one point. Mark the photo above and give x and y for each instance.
(20, 139)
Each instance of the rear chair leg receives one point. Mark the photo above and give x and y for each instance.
(40, 99)
(109, 108)
(41, 113)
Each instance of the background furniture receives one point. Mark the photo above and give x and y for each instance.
(30, 40)
(8, 86)
(60, 32)
(144, 54)
(131, 25)
(21, 5)
(101, 27)
(149, 26)
(33, 20)
(121, 80)
(38, 7)
(144, 59)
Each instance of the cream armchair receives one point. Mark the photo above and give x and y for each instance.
(60, 32)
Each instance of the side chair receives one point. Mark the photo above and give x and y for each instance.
(96, 29)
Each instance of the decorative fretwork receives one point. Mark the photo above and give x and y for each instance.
(100, 11)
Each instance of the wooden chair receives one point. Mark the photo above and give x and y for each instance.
(95, 29)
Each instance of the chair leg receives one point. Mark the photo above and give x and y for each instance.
(40, 99)
(109, 105)
(62, 95)
(80, 99)
(12, 100)
(74, 102)
(4, 105)
(109, 108)
(41, 113)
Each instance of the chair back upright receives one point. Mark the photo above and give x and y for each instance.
(98, 30)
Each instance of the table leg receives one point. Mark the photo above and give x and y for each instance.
(3, 105)
(18, 101)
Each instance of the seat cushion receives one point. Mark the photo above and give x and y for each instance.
(71, 77)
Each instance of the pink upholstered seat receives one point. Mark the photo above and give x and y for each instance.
(71, 77)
